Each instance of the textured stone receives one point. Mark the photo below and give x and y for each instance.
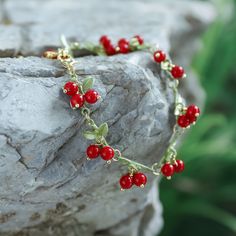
(10, 40)
(40, 136)
(47, 186)
(156, 21)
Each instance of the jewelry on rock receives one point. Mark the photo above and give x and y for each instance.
(82, 95)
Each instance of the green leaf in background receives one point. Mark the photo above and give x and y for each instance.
(207, 210)
(103, 130)
(217, 58)
(202, 199)
(87, 84)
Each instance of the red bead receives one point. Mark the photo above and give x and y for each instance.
(192, 112)
(179, 166)
(177, 72)
(123, 41)
(192, 119)
(167, 169)
(70, 88)
(93, 151)
(159, 56)
(108, 47)
(91, 96)
(76, 101)
(123, 45)
(140, 179)
(183, 121)
(139, 38)
(105, 41)
(107, 153)
(126, 181)
(110, 50)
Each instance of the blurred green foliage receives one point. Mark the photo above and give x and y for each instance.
(202, 200)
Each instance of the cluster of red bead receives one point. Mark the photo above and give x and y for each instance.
(123, 45)
(128, 180)
(169, 169)
(78, 98)
(189, 116)
(96, 150)
(176, 71)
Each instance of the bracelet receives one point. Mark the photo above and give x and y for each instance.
(82, 95)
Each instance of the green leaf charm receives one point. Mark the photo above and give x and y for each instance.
(103, 130)
(87, 84)
(90, 135)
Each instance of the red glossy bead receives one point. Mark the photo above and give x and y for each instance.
(179, 166)
(105, 41)
(76, 101)
(139, 179)
(126, 181)
(159, 56)
(139, 38)
(192, 112)
(177, 72)
(123, 41)
(167, 169)
(70, 88)
(91, 96)
(183, 121)
(191, 119)
(93, 151)
(123, 45)
(110, 50)
(107, 153)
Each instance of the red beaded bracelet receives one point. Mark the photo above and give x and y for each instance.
(82, 94)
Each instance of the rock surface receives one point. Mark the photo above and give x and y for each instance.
(45, 178)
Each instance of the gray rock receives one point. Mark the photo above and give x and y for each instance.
(47, 185)
(40, 135)
(42, 23)
(10, 40)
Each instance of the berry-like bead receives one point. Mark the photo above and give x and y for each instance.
(139, 38)
(123, 45)
(93, 151)
(110, 50)
(126, 181)
(179, 166)
(192, 119)
(91, 96)
(107, 153)
(177, 72)
(123, 41)
(140, 179)
(183, 121)
(159, 56)
(192, 112)
(76, 101)
(70, 88)
(105, 41)
(167, 170)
